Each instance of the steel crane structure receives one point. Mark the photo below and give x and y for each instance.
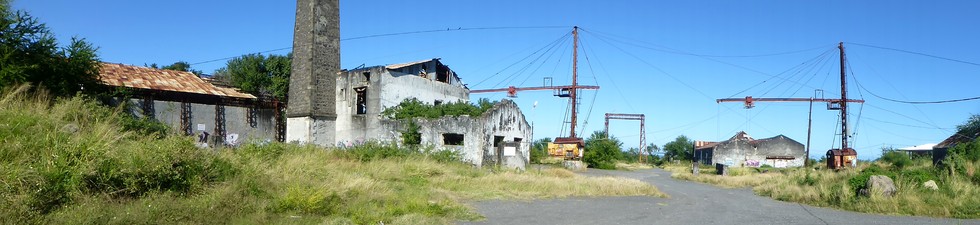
(630, 116)
(832, 104)
(565, 91)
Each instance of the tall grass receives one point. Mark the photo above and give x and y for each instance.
(957, 196)
(71, 162)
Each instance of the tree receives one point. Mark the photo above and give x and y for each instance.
(652, 152)
(259, 75)
(681, 148)
(601, 150)
(29, 54)
(539, 150)
(180, 66)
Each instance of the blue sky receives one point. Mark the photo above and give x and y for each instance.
(666, 59)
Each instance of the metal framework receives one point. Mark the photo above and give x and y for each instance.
(185, 118)
(626, 116)
(280, 120)
(219, 124)
(832, 103)
(567, 91)
(148, 107)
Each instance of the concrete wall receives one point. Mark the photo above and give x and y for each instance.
(236, 119)
(504, 119)
(754, 153)
(383, 90)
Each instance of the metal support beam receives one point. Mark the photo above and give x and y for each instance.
(219, 125)
(625, 116)
(185, 118)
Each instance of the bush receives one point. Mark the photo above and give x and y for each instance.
(919, 175)
(374, 151)
(55, 152)
(897, 159)
(601, 151)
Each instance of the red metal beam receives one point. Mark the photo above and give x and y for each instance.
(751, 99)
(586, 87)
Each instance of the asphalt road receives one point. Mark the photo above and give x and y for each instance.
(689, 203)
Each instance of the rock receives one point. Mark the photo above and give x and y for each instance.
(70, 128)
(880, 184)
(931, 185)
(574, 165)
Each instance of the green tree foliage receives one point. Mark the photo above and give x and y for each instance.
(681, 148)
(258, 74)
(413, 108)
(962, 155)
(180, 66)
(970, 128)
(601, 150)
(539, 149)
(29, 54)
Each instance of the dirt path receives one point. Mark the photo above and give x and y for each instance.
(690, 203)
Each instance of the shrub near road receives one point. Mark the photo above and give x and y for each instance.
(72, 162)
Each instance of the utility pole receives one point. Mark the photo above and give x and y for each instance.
(809, 130)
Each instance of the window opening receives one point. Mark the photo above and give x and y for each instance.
(452, 139)
(497, 140)
(361, 100)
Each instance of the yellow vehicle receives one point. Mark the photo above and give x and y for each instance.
(567, 148)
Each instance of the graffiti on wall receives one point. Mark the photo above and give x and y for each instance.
(752, 163)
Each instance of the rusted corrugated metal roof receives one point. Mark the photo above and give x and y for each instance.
(400, 65)
(120, 75)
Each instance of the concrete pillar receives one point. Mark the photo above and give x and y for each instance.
(311, 115)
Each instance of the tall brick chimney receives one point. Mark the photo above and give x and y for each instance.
(311, 115)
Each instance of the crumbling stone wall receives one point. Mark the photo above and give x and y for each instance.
(505, 119)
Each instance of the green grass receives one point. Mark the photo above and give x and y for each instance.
(957, 197)
(73, 161)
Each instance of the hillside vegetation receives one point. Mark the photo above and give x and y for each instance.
(73, 161)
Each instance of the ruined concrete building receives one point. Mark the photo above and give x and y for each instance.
(217, 115)
(363, 93)
(743, 151)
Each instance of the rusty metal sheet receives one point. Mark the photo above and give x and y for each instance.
(119, 75)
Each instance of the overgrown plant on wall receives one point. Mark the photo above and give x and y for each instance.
(413, 108)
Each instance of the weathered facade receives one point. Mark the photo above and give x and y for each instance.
(316, 58)
(217, 115)
(743, 151)
(364, 93)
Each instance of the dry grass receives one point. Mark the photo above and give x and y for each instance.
(255, 184)
(957, 197)
(739, 177)
(633, 166)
